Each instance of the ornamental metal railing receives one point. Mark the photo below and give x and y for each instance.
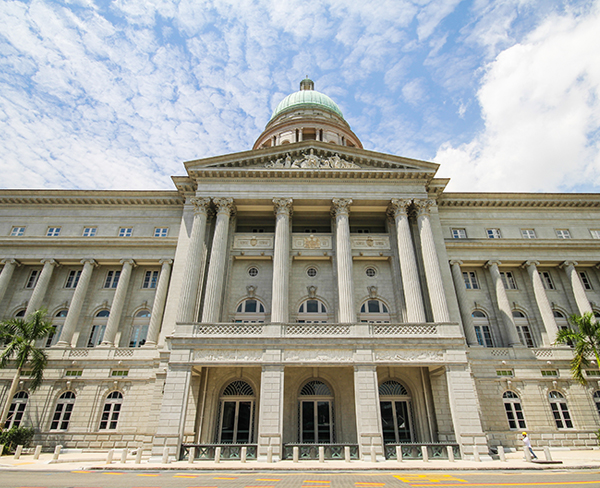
(207, 452)
(311, 451)
(414, 451)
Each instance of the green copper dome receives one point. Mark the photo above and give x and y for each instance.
(307, 97)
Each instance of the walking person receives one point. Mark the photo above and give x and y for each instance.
(527, 445)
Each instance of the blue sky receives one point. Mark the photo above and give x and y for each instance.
(504, 95)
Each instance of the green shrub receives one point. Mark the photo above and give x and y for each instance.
(16, 436)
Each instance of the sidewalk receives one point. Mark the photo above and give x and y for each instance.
(581, 459)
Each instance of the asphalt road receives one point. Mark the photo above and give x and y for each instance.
(397, 479)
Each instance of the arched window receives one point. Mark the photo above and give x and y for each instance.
(597, 400)
(250, 311)
(237, 412)
(561, 320)
(560, 410)
(57, 321)
(20, 314)
(98, 327)
(483, 332)
(312, 312)
(63, 410)
(315, 406)
(16, 410)
(396, 413)
(111, 411)
(139, 330)
(522, 325)
(375, 312)
(514, 412)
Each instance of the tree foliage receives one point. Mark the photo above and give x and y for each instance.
(584, 337)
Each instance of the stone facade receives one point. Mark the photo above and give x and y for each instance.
(305, 292)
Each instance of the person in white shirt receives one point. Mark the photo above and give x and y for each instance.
(527, 445)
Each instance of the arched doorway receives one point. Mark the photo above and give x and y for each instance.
(315, 405)
(396, 413)
(236, 413)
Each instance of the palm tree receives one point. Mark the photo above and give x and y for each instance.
(585, 339)
(19, 337)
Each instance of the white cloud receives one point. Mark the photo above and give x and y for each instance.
(540, 101)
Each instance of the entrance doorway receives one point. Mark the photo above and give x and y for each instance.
(316, 414)
(237, 413)
(396, 414)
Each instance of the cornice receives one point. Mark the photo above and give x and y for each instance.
(89, 242)
(89, 197)
(520, 200)
(567, 245)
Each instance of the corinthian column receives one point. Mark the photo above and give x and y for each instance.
(542, 301)
(583, 303)
(118, 302)
(503, 304)
(433, 275)
(190, 287)
(6, 275)
(41, 286)
(76, 303)
(159, 302)
(216, 265)
(415, 311)
(341, 210)
(463, 303)
(281, 260)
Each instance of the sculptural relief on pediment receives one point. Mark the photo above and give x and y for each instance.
(312, 161)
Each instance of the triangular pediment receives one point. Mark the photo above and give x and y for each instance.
(311, 156)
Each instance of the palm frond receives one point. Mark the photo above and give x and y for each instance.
(38, 363)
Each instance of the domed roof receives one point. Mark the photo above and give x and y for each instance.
(307, 96)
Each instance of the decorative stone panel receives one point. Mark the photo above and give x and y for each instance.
(424, 356)
(370, 241)
(310, 241)
(251, 241)
(228, 355)
(319, 355)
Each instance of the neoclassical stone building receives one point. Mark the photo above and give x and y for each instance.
(305, 292)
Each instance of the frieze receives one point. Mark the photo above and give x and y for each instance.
(252, 242)
(319, 355)
(370, 242)
(227, 355)
(312, 161)
(303, 241)
(412, 356)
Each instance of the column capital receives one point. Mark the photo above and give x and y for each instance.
(567, 264)
(10, 261)
(224, 205)
(399, 207)
(89, 260)
(529, 263)
(423, 206)
(341, 206)
(168, 261)
(128, 261)
(283, 205)
(201, 205)
(49, 261)
(456, 261)
(491, 263)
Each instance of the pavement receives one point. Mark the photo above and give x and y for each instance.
(77, 460)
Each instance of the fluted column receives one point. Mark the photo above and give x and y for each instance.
(281, 260)
(41, 286)
(72, 319)
(542, 301)
(6, 275)
(190, 287)
(341, 210)
(503, 304)
(118, 302)
(463, 303)
(216, 265)
(415, 311)
(583, 303)
(435, 285)
(159, 302)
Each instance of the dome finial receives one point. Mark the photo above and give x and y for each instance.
(307, 84)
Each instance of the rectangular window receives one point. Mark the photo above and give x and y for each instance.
(73, 279)
(112, 279)
(587, 284)
(150, 279)
(459, 234)
(528, 234)
(17, 231)
(547, 280)
(484, 336)
(471, 282)
(161, 231)
(76, 373)
(550, 372)
(33, 277)
(26, 372)
(125, 231)
(96, 335)
(504, 372)
(509, 280)
(119, 373)
(139, 333)
(89, 231)
(53, 232)
(493, 233)
(592, 372)
(563, 234)
(595, 233)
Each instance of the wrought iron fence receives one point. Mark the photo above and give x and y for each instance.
(311, 451)
(413, 451)
(228, 451)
